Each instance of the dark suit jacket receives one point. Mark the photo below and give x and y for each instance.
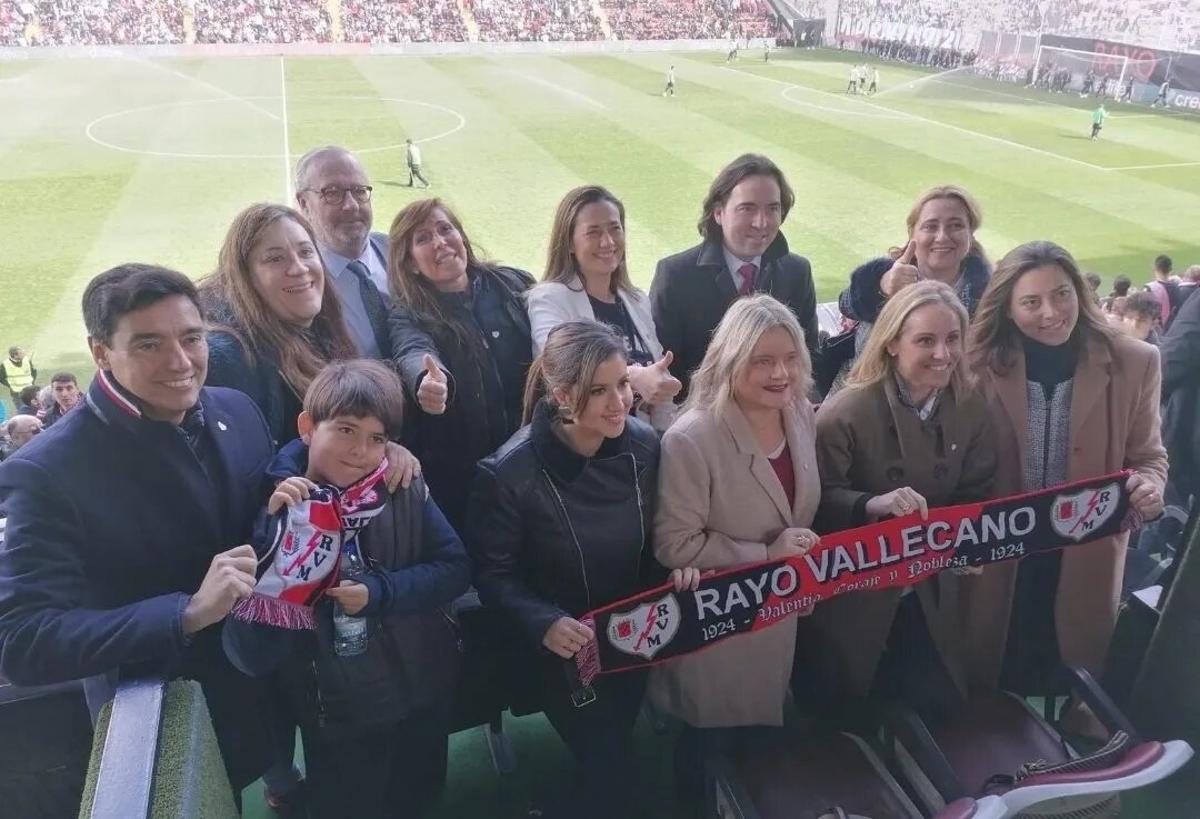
(112, 524)
(693, 289)
(1180, 350)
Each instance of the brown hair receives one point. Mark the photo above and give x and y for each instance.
(359, 388)
(573, 351)
(407, 285)
(728, 179)
(995, 342)
(974, 217)
(300, 355)
(561, 265)
(1143, 304)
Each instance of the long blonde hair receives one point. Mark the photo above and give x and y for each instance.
(874, 363)
(995, 342)
(230, 290)
(732, 345)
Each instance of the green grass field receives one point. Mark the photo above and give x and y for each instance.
(110, 160)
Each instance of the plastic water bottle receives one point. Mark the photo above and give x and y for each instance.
(349, 631)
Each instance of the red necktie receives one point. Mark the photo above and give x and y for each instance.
(747, 272)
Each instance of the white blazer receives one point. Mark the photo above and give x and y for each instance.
(552, 303)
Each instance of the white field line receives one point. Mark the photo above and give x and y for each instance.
(1154, 167)
(568, 92)
(287, 151)
(1011, 95)
(216, 88)
(918, 81)
(938, 123)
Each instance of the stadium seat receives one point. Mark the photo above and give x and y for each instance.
(835, 776)
(999, 746)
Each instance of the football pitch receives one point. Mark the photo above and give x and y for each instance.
(117, 159)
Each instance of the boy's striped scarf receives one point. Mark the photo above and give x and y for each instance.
(307, 542)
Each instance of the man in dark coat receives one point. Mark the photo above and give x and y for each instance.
(1180, 351)
(743, 252)
(124, 548)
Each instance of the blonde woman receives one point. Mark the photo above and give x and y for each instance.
(908, 432)
(1071, 398)
(941, 245)
(738, 485)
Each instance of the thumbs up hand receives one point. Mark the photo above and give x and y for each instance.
(432, 392)
(655, 383)
(903, 273)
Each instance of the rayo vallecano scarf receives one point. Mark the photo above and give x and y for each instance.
(660, 624)
(307, 541)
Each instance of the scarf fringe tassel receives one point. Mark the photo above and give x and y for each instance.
(273, 612)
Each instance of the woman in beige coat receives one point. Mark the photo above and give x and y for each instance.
(1071, 398)
(908, 432)
(737, 484)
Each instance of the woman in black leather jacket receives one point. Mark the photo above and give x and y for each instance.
(559, 524)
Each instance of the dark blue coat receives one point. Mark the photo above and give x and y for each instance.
(112, 524)
(863, 299)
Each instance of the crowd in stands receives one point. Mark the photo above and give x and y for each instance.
(920, 55)
(146, 22)
(545, 20)
(688, 19)
(402, 21)
(91, 22)
(1170, 24)
(262, 21)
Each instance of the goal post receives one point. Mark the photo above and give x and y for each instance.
(1079, 63)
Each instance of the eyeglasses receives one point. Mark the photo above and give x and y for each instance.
(333, 195)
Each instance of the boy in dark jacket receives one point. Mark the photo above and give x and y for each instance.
(374, 724)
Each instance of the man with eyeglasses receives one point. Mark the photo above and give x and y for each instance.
(333, 192)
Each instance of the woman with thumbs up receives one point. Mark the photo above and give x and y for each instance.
(469, 384)
(587, 278)
(941, 246)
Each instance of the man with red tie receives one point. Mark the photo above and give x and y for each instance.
(742, 252)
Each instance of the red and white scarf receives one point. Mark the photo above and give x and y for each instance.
(307, 543)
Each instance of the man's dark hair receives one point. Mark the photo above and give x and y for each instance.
(729, 178)
(64, 378)
(360, 388)
(1093, 280)
(29, 394)
(127, 288)
(1143, 304)
(1163, 263)
(1121, 285)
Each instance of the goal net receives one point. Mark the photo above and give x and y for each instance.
(1088, 72)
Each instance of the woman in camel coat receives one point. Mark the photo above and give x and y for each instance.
(738, 484)
(1070, 399)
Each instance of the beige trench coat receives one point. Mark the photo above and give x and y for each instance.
(1114, 425)
(720, 505)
